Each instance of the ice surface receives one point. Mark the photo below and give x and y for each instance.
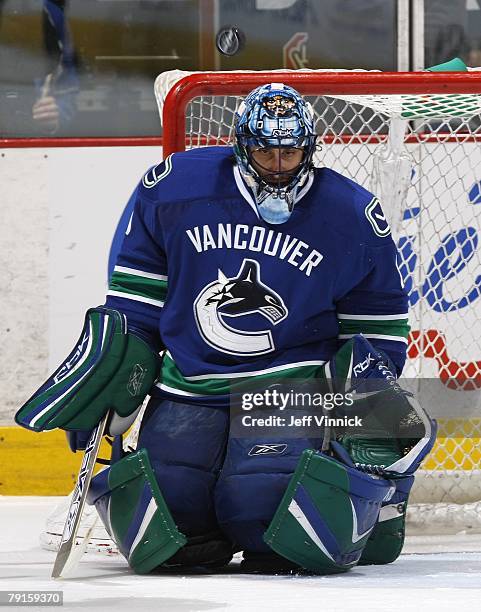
(441, 581)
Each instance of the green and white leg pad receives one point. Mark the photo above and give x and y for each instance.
(327, 514)
(134, 512)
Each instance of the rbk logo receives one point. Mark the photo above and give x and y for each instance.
(267, 449)
(282, 132)
(67, 366)
(360, 367)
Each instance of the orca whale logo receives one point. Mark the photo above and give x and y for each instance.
(236, 297)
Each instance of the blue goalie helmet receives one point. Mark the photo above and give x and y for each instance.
(275, 144)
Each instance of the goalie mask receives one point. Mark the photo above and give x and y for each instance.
(275, 143)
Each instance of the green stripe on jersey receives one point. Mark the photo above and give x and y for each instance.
(133, 284)
(395, 327)
(171, 377)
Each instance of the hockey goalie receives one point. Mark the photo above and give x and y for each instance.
(247, 263)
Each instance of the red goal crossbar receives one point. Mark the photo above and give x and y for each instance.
(307, 83)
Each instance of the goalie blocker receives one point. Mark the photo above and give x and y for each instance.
(110, 367)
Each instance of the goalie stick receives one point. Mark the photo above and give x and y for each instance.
(69, 552)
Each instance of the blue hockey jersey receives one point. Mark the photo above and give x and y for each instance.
(230, 297)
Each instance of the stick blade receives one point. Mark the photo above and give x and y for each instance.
(68, 558)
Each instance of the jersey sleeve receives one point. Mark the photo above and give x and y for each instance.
(377, 306)
(138, 283)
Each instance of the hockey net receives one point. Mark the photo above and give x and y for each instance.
(414, 139)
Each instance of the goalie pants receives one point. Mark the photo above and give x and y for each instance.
(210, 480)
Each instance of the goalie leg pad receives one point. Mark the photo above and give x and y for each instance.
(396, 436)
(134, 512)
(327, 514)
(109, 368)
(387, 538)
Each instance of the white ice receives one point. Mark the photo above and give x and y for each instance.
(441, 581)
